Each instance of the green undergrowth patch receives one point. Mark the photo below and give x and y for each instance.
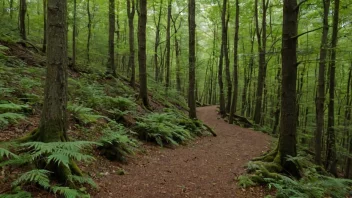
(117, 142)
(315, 182)
(168, 128)
(31, 155)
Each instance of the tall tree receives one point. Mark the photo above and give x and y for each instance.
(227, 59)
(142, 53)
(74, 34)
(45, 25)
(320, 100)
(89, 27)
(131, 65)
(157, 40)
(331, 159)
(221, 58)
(288, 126)
(261, 38)
(22, 19)
(168, 43)
(192, 58)
(111, 68)
(235, 65)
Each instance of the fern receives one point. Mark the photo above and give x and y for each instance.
(9, 118)
(68, 192)
(11, 107)
(83, 180)
(7, 153)
(59, 152)
(84, 114)
(163, 128)
(36, 176)
(19, 194)
(116, 144)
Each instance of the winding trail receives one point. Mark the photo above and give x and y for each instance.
(204, 168)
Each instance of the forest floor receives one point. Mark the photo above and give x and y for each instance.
(206, 167)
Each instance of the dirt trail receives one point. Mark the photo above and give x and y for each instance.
(204, 168)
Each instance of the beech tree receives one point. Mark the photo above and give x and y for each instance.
(192, 58)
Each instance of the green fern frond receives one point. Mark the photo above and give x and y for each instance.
(83, 180)
(8, 118)
(17, 161)
(68, 192)
(20, 194)
(84, 114)
(7, 153)
(12, 107)
(37, 176)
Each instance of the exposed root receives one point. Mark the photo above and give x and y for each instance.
(210, 130)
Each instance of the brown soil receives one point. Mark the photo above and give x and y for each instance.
(207, 167)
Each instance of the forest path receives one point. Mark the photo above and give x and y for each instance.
(205, 167)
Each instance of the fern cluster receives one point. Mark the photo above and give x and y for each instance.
(116, 143)
(163, 128)
(11, 113)
(83, 114)
(59, 153)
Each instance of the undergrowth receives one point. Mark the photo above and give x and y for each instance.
(314, 183)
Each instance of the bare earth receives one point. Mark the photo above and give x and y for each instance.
(206, 167)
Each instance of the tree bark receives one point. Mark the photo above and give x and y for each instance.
(142, 53)
(261, 37)
(168, 43)
(74, 33)
(23, 11)
(192, 58)
(320, 99)
(331, 158)
(235, 65)
(89, 27)
(287, 140)
(111, 68)
(45, 2)
(131, 63)
(221, 59)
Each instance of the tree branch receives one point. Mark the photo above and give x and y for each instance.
(299, 4)
(294, 37)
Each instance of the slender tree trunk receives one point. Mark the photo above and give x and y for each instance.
(227, 62)
(157, 42)
(168, 43)
(320, 100)
(331, 158)
(131, 64)
(89, 26)
(11, 9)
(222, 51)
(288, 126)
(111, 68)
(261, 36)
(142, 53)
(235, 65)
(45, 25)
(23, 11)
(74, 33)
(192, 58)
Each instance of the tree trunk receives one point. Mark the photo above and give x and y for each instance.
(222, 51)
(157, 42)
(89, 26)
(192, 58)
(227, 61)
(23, 11)
(111, 69)
(287, 140)
(261, 37)
(142, 53)
(168, 43)
(235, 65)
(45, 25)
(331, 159)
(74, 33)
(320, 99)
(131, 64)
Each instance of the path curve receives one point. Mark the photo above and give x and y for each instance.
(204, 168)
